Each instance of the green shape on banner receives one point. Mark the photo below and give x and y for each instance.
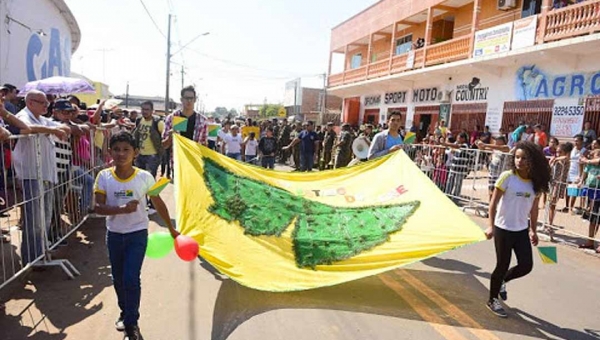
(323, 234)
(180, 123)
(160, 244)
(548, 255)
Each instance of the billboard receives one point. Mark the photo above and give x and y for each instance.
(293, 93)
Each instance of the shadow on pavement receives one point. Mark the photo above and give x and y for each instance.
(47, 302)
(237, 304)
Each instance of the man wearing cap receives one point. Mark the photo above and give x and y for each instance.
(388, 140)
(26, 168)
(233, 141)
(10, 95)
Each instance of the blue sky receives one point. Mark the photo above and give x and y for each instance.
(253, 48)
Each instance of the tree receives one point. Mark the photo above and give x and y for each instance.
(269, 110)
(221, 111)
(233, 112)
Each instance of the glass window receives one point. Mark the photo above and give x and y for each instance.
(404, 44)
(356, 61)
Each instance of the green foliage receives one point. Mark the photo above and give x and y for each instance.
(323, 234)
(269, 110)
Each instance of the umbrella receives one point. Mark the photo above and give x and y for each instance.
(59, 85)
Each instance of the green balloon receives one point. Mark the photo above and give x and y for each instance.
(160, 244)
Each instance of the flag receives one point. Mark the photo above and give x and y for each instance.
(246, 130)
(410, 138)
(179, 123)
(548, 255)
(282, 231)
(159, 186)
(213, 131)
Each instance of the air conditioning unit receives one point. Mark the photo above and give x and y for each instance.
(505, 5)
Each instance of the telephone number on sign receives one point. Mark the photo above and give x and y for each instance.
(568, 110)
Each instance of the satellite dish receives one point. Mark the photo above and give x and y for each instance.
(360, 148)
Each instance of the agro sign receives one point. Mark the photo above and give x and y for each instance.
(534, 83)
(45, 60)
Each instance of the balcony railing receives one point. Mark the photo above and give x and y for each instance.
(571, 21)
(448, 51)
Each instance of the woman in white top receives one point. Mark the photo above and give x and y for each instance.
(514, 210)
(575, 171)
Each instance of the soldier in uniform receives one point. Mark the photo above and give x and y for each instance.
(328, 141)
(344, 147)
(283, 140)
(296, 149)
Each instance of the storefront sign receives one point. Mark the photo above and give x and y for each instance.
(471, 92)
(493, 40)
(431, 94)
(567, 117)
(395, 98)
(493, 119)
(372, 100)
(524, 32)
(410, 59)
(534, 83)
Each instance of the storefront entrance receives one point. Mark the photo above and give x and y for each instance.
(371, 117)
(426, 117)
(467, 117)
(592, 113)
(531, 112)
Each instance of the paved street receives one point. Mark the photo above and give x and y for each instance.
(441, 298)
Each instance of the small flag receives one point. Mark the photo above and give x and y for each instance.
(159, 186)
(179, 123)
(410, 138)
(548, 255)
(213, 130)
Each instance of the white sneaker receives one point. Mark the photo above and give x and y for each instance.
(151, 211)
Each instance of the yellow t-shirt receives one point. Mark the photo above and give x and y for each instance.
(146, 146)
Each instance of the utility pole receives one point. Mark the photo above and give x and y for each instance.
(167, 100)
(182, 75)
(324, 100)
(127, 96)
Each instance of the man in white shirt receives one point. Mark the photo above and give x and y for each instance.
(233, 142)
(26, 164)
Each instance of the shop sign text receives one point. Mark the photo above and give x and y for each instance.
(472, 91)
(373, 100)
(395, 98)
(431, 94)
(533, 83)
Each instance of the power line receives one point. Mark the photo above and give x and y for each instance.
(151, 18)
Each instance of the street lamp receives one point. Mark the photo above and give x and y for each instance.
(169, 55)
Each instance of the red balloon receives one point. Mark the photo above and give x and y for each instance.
(186, 248)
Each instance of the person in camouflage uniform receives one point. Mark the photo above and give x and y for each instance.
(283, 140)
(344, 147)
(328, 141)
(296, 149)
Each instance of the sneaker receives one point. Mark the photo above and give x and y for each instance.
(119, 325)
(496, 308)
(503, 294)
(151, 211)
(133, 333)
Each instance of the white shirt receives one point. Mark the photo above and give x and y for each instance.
(119, 192)
(574, 166)
(516, 202)
(232, 144)
(25, 153)
(251, 146)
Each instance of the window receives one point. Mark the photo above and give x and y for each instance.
(356, 61)
(404, 44)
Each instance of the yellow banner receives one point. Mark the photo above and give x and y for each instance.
(280, 231)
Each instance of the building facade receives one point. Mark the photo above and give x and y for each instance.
(471, 63)
(37, 40)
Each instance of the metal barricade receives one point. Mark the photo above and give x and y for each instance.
(38, 214)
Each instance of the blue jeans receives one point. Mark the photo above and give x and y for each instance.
(86, 181)
(268, 162)
(126, 253)
(31, 242)
(149, 163)
(307, 160)
(237, 156)
(251, 159)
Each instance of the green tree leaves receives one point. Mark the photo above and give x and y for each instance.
(323, 234)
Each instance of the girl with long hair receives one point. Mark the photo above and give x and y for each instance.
(513, 217)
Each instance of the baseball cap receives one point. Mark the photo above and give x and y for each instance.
(63, 105)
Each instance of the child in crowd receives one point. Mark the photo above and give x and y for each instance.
(560, 176)
(268, 148)
(498, 163)
(251, 148)
(552, 149)
(121, 196)
(513, 210)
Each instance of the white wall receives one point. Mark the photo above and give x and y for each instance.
(25, 55)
